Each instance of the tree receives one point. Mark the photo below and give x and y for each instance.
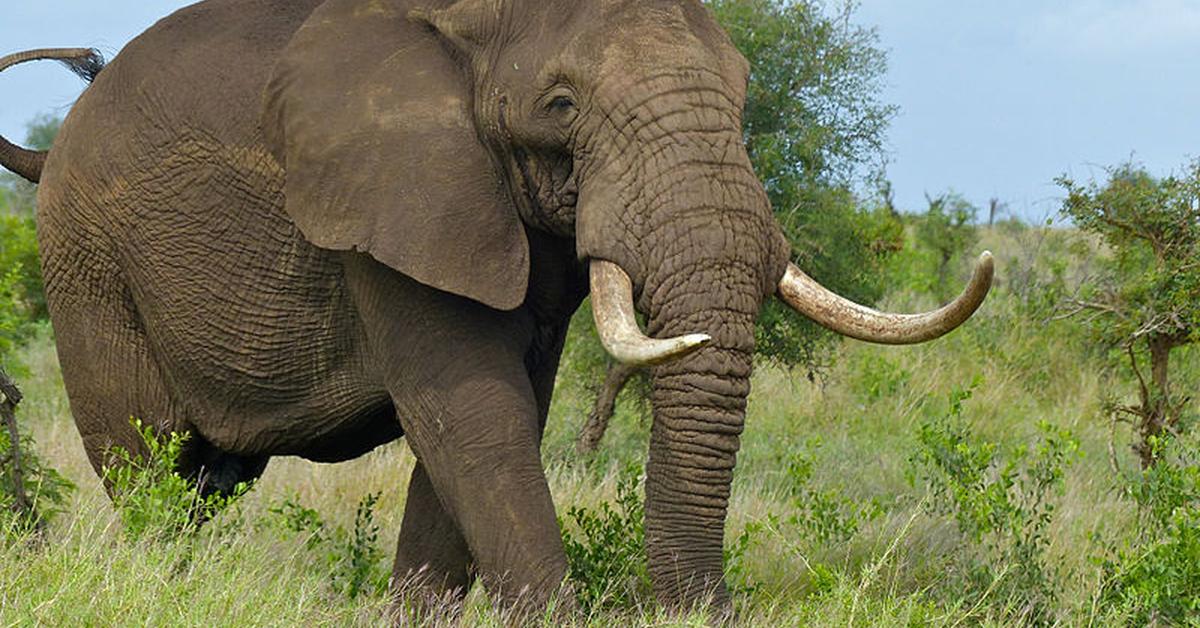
(1146, 299)
(814, 126)
(947, 230)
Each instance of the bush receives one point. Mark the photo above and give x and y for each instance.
(353, 558)
(1146, 299)
(22, 299)
(152, 499)
(42, 491)
(1155, 578)
(999, 499)
(605, 557)
(947, 229)
(826, 515)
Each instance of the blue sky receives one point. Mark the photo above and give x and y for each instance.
(996, 98)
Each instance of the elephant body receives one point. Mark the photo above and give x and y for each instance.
(310, 227)
(184, 295)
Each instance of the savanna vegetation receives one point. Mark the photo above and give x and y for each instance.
(1039, 466)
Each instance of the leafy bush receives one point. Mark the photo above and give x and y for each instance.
(1155, 578)
(947, 230)
(880, 377)
(151, 497)
(1000, 499)
(605, 557)
(353, 557)
(22, 299)
(45, 489)
(822, 515)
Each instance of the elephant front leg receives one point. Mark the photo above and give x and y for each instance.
(480, 453)
(456, 372)
(433, 562)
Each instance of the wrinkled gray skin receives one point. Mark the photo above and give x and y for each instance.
(312, 240)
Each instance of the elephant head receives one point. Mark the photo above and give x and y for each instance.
(432, 134)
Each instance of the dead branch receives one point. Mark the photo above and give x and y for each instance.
(10, 396)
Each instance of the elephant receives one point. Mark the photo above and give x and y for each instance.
(312, 227)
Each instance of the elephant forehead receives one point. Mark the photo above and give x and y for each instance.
(664, 39)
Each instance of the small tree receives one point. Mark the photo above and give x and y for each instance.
(1146, 299)
(947, 230)
(29, 489)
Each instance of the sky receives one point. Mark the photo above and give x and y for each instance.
(996, 98)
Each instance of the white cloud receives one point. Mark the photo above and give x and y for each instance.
(1117, 27)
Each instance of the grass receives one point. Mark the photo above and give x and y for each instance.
(856, 427)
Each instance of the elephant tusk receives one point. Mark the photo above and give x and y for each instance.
(612, 307)
(848, 318)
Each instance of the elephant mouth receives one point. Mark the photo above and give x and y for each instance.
(548, 183)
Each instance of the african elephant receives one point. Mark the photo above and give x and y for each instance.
(310, 227)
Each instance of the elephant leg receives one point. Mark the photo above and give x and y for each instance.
(107, 366)
(457, 375)
(112, 377)
(432, 553)
(431, 556)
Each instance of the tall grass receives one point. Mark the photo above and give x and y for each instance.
(829, 523)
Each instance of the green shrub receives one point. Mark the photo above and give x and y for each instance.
(352, 557)
(19, 255)
(152, 499)
(1000, 501)
(947, 230)
(1146, 298)
(605, 557)
(1155, 578)
(46, 489)
(822, 515)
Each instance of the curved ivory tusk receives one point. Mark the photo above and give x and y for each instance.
(848, 318)
(612, 306)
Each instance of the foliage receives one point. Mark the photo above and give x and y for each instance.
(1146, 297)
(153, 500)
(813, 110)
(352, 557)
(822, 515)
(24, 298)
(604, 545)
(44, 486)
(1155, 578)
(999, 499)
(947, 230)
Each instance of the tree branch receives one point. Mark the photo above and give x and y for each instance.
(10, 396)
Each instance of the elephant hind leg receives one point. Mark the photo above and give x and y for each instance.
(107, 362)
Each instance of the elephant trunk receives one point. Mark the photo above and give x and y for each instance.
(690, 223)
(699, 406)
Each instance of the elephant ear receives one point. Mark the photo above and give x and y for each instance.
(370, 115)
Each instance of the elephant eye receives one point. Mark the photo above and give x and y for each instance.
(561, 104)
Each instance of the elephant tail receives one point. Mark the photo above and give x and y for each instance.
(85, 62)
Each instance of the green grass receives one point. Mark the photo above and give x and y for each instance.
(846, 440)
